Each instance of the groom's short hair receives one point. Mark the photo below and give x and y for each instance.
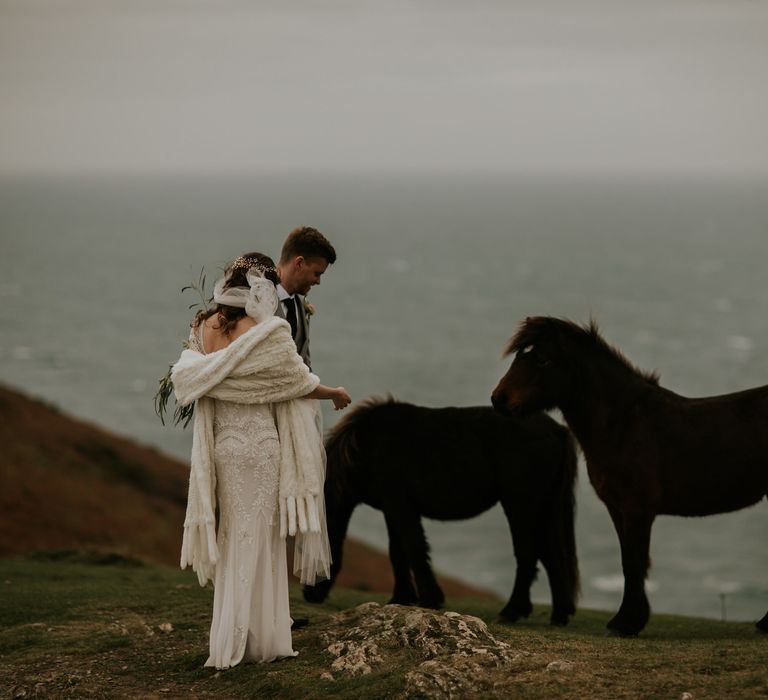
(309, 243)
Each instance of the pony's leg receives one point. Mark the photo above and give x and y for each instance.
(408, 525)
(555, 565)
(405, 592)
(634, 530)
(762, 625)
(338, 515)
(524, 543)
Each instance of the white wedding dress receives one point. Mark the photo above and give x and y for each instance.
(251, 615)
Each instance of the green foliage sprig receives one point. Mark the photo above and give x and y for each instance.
(164, 394)
(199, 288)
(181, 414)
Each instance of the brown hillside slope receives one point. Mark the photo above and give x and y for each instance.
(67, 484)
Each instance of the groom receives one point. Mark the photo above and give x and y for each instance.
(306, 255)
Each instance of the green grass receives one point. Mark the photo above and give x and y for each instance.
(88, 626)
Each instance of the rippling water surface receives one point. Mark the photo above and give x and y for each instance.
(432, 277)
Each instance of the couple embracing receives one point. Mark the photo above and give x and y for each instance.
(258, 461)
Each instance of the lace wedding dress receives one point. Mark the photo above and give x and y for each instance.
(251, 616)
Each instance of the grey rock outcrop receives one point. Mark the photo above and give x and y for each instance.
(459, 653)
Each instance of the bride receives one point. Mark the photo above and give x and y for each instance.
(257, 457)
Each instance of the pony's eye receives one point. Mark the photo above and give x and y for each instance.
(526, 349)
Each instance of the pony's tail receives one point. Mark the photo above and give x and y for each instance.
(563, 517)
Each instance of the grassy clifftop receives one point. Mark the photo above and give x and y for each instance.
(123, 621)
(81, 626)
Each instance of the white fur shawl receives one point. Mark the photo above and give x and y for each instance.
(262, 367)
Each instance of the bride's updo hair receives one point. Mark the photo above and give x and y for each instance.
(235, 276)
(235, 272)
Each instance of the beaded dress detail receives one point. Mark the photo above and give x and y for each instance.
(251, 615)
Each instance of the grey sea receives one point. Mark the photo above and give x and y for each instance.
(434, 273)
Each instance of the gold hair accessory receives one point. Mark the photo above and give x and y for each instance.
(243, 263)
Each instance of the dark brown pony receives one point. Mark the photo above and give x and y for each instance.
(450, 464)
(649, 451)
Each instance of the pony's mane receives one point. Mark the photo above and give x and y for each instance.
(537, 328)
(355, 416)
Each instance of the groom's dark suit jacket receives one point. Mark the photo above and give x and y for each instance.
(302, 328)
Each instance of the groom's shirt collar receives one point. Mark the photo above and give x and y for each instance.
(282, 295)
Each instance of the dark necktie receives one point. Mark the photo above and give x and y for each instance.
(290, 314)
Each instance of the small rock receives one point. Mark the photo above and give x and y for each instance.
(165, 627)
(437, 679)
(327, 676)
(165, 690)
(686, 696)
(123, 668)
(559, 666)
(355, 658)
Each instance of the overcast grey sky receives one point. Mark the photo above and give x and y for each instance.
(533, 85)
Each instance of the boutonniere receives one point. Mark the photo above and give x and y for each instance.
(309, 309)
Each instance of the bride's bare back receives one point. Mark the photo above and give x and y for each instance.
(215, 339)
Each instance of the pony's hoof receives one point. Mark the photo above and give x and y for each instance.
(626, 625)
(401, 600)
(313, 595)
(432, 599)
(404, 595)
(512, 613)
